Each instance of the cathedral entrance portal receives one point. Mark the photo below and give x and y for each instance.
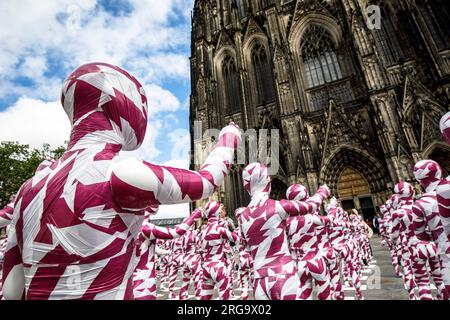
(357, 178)
(354, 192)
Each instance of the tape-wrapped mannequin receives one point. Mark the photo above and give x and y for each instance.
(245, 260)
(443, 198)
(74, 233)
(426, 215)
(144, 277)
(263, 227)
(191, 262)
(215, 268)
(306, 239)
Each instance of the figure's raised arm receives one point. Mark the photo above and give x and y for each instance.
(151, 231)
(136, 184)
(322, 193)
(286, 208)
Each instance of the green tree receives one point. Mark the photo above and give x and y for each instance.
(18, 163)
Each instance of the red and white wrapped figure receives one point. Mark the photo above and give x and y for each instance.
(263, 227)
(351, 268)
(306, 239)
(215, 268)
(175, 264)
(420, 252)
(245, 260)
(164, 263)
(385, 227)
(443, 199)
(398, 236)
(342, 246)
(427, 221)
(144, 277)
(74, 230)
(191, 261)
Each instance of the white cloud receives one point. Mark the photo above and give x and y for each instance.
(159, 100)
(33, 122)
(145, 42)
(33, 66)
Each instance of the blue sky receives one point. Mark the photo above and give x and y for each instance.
(149, 38)
(41, 42)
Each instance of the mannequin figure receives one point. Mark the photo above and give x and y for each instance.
(191, 262)
(84, 249)
(263, 227)
(215, 268)
(245, 260)
(426, 215)
(443, 199)
(144, 277)
(397, 233)
(306, 238)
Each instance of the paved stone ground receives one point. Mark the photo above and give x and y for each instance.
(379, 281)
(383, 284)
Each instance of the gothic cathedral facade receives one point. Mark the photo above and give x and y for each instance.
(355, 106)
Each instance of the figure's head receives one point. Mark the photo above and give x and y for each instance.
(256, 179)
(105, 104)
(404, 190)
(383, 209)
(212, 209)
(444, 125)
(428, 173)
(297, 192)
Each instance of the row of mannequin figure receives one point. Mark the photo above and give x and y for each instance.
(416, 229)
(276, 256)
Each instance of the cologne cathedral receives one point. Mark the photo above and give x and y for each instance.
(356, 106)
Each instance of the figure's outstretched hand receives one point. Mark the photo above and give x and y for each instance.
(324, 190)
(197, 214)
(230, 136)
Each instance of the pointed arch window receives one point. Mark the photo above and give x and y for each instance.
(386, 39)
(266, 3)
(320, 61)
(231, 83)
(241, 8)
(436, 17)
(263, 75)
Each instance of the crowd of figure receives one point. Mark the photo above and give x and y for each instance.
(280, 255)
(81, 228)
(417, 229)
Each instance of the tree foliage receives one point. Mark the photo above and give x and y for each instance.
(18, 163)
